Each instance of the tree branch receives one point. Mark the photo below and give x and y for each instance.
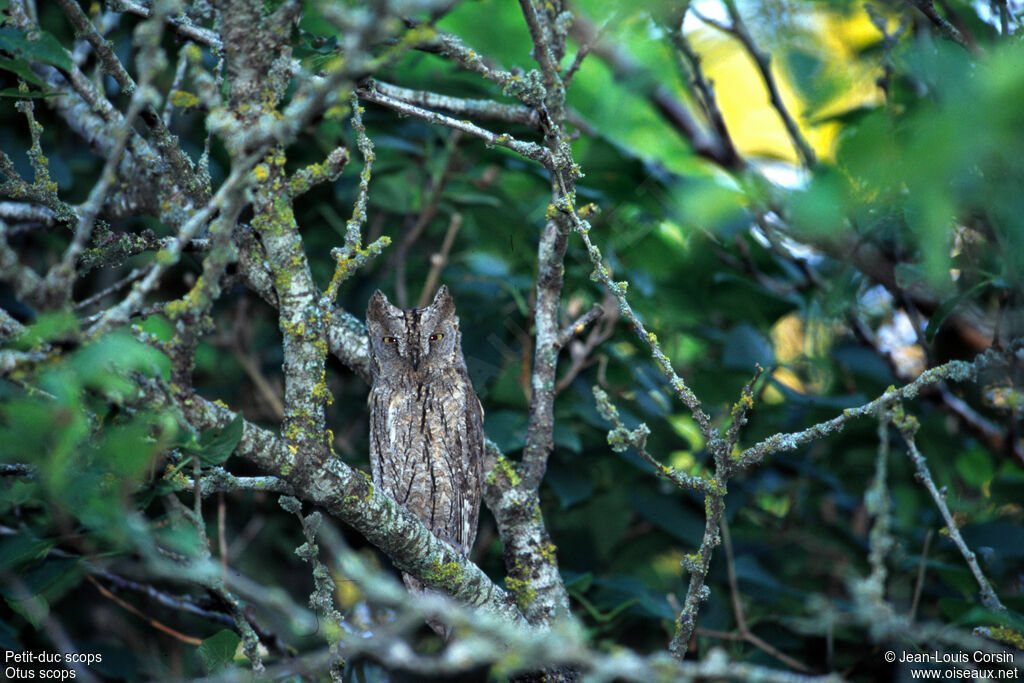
(349, 495)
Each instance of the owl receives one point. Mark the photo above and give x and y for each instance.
(426, 423)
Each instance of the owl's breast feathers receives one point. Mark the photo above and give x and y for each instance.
(426, 453)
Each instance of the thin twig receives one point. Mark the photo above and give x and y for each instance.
(222, 541)
(350, 257)
(948, 30)
(252, 369)
(580, 353)
(458, 106)
(922, 567)
(737, 609)
(908, 427)
(434, 195)
(705, 91)
(953, 371)
(530, 150)
(627, 70)
(131, 277)
(189, 640)
(620, 439)
(439, 260)
(762, 59)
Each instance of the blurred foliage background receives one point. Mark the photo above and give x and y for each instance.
(901, 247)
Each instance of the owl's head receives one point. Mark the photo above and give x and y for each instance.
(413, 342)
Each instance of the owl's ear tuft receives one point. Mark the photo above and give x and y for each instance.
(379, 305)
(443, 301)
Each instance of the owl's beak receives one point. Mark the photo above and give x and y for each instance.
(415, 360)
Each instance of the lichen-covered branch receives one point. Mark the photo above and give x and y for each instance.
(182, 24)
(458, 106)
(620, 438)
(908, 425)
(618, 289)
(352, 256)
(523, 88)
(119, 314)
(219, 480)
(879, 506)
(953, 371)
(62, 276)
(349, 495)
(180, 164)
(530, 150)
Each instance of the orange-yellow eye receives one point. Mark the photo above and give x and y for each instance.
(389, 340)
(436, 336)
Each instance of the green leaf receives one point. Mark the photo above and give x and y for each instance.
(956, 577)
(605, 618)
(26, 95)
(507, 429)
(34, 616)
(48, 328)
(567, 438)
(217, 445)
(745, 347)
(579, 583)
(667, 513)
(475, 199)
(975, 466)
(947, 307)
(22, 548)
(218, 651)
(8, 634)
(182, 538)
(618, 593)
(1005, 538)
(819, 209)
(21, 68)
(42, 577)
(571, 485)
(104, 363)
(35, 46)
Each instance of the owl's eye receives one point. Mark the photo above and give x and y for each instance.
(389, 340)
(436, 336)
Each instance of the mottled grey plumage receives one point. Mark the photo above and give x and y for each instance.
(426, 424)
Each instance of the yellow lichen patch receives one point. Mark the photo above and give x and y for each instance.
(1007, 635)
(503, 469)
(176, 477)
(521, 592)
(183, 99)
(445, 573)
(548, 552)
